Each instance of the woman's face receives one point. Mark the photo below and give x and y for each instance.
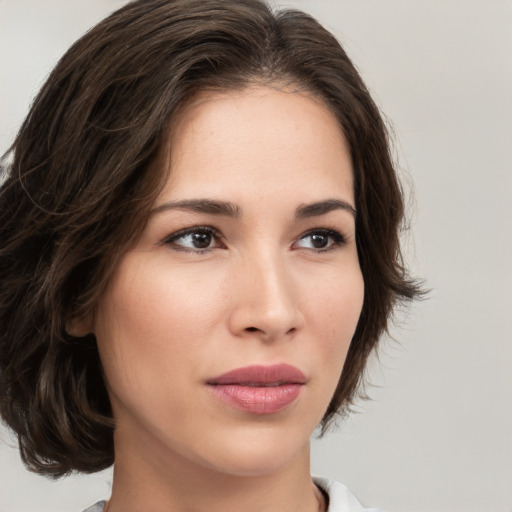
(224, 330)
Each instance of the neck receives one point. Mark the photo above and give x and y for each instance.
(174, 483)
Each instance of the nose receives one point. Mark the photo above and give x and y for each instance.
(264, 300)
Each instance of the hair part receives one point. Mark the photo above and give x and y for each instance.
(84, 174)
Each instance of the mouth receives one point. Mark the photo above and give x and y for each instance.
(262, 384)
(259, 389)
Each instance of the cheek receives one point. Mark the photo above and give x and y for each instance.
(333, 312)
(155, 303)
(335, 307)
(335, 304)
(151, 321)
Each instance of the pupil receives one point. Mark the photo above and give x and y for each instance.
(319, 241)
(201, 240)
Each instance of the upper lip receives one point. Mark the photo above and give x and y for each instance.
(260, 375)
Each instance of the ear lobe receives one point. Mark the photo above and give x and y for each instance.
(79, 327)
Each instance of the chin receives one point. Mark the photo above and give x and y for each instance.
(258, 452)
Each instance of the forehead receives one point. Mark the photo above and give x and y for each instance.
(256, 139)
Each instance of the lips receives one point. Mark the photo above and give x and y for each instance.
(259, 389)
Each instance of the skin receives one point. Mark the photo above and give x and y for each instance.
(261, 293)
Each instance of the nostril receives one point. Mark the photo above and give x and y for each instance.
(255, 329)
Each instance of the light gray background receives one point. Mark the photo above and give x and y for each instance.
(438, 434)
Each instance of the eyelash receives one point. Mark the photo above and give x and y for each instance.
(171, 239)
(337, 238)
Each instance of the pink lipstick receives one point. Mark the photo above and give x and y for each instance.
(259, 389)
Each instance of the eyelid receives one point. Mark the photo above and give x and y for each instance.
(339, 239)
(190, 229)
(171, 238)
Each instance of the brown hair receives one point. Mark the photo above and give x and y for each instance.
(81, 177)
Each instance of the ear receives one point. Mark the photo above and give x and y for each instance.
(80, 327)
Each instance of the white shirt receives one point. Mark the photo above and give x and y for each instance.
(340, 498)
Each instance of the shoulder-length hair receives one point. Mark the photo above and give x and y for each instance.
(82, 174)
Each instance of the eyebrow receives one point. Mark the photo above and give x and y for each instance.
(210, 206)
(228, 209)
(323, 207)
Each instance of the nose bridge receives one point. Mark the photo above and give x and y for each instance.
(265, 301)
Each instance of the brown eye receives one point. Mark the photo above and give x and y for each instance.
(201, 240)
(194, 240)
(320, 240)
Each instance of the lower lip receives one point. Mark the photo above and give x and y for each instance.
(257, 400)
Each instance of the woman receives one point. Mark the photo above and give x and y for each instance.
(199, 251)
